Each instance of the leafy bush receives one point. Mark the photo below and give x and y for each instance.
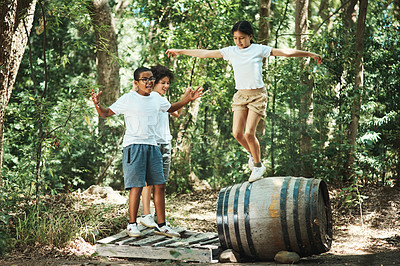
(55, 221)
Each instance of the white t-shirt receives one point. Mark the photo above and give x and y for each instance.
(247, 64)
(163, 134)
(141, 116)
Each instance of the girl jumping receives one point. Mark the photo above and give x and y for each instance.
(249, 102)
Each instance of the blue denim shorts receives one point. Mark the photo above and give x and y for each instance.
(142, 164)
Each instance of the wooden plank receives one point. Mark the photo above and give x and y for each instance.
(193, 239)
(143, 230)
(189, 233)
(148, 252)
(112, 238)
(125, 241)
(191, 246)
(156, 238)
(211, 243)
(165, 242)
(148, 240)
(208, 247)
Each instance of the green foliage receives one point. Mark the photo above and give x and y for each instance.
(69, 154)
(379, 126)
(70, 151)
(74, 153)
(350, 196)
(54, 221)
(8, 206)
(213, 153)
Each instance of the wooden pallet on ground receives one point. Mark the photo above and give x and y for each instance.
(191, 246)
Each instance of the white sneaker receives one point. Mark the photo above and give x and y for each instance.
(147, 220)
(133, 230)
(257, 173)
(251, 162)
(166, 231)
(166, 221)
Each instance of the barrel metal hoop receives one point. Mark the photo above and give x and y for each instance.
(285, 232)
(247, 220)
(235, 218)
(220, 224)
(296, 215)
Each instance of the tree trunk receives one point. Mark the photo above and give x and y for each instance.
(324, 12)
(265, 13)
(107, 74)
(263, 38)
(397, 9)
(106, 51)
(358, 86)
(306, 101)
(13, 40)
(349, 13)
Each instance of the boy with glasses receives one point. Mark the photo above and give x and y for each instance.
(142, 160)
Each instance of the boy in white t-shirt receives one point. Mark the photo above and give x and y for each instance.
(164, 77)
(142, 160)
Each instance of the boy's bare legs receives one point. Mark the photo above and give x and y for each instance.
(159, 202)
(146, 198)
(134, 200)
(244, 131)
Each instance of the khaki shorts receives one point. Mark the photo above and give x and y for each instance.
(255, 100)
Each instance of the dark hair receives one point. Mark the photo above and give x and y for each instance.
(245, 27)
(138, 71)
(160, 72)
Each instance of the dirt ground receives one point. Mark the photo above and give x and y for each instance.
(369, 235)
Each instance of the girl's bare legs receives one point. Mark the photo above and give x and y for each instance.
(250, 135)
(244, 131)
(238, 126)
(146, 198)
(134, 200)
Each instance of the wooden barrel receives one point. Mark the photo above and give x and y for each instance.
(275, 214)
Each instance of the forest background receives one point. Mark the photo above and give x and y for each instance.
(339, 121)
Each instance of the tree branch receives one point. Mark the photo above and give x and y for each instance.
(334, 13)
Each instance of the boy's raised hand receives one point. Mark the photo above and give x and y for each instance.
(187, 92)
(194, 94)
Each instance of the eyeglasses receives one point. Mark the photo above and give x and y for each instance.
(145, 80)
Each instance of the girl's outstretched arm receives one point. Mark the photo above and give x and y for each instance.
(202, 53)
(296, 53)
